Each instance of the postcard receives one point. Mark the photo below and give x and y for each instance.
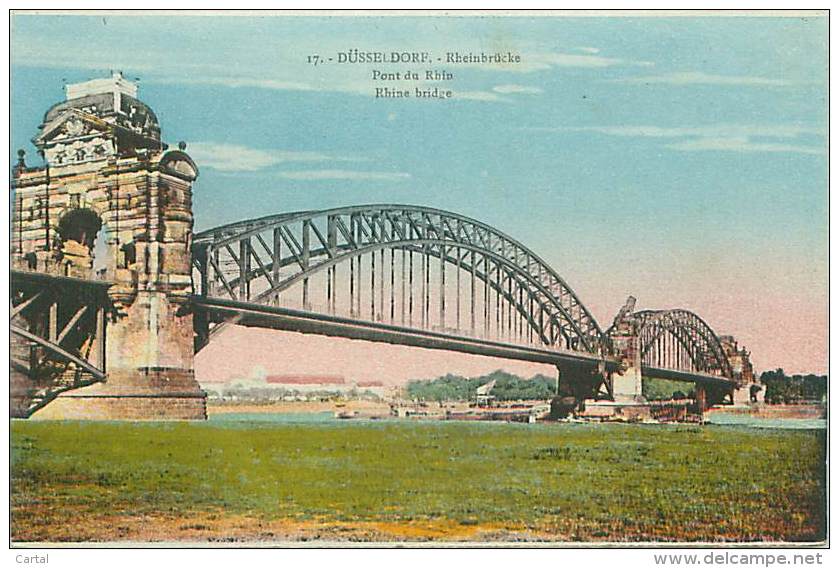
(418, 279)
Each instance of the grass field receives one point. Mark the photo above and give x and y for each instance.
(414, 481)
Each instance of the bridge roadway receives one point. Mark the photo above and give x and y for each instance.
(286, 319)
(258, 315)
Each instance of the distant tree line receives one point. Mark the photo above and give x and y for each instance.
(780, 388)
(662, 389)
(784, 389)
(451, 388)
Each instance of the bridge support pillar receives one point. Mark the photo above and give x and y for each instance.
(748, 393)
(628, 386)
(701, 401)
(149, 364)
(576, 383)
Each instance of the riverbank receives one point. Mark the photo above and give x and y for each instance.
(297, 407)
(806, 415)
(775, 411)
(377, 409)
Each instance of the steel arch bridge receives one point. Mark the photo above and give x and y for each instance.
(132, 320)
(397, 265)
(420, 276)
(673, 344)
(680, 340)
(400, 274)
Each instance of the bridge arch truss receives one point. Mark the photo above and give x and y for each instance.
(400, 264)
(681, 340)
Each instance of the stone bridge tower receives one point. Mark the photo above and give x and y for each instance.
(627, 385)
(113, 203)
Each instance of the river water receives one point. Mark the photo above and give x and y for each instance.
(731, 419)
(714, 418)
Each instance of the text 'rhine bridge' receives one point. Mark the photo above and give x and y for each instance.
(112, 294)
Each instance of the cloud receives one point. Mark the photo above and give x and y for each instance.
(318, 175)
(714, 130)
(718, 137)
(517, 89)
(699, 78)
(478, 96)
(236, 158)
(493, 95)
(239, 83)
(542, 61)
(589, 60)
(741, 144)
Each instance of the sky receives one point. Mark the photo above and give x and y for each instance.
(678, 159)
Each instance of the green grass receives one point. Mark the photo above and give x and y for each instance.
(584, 482)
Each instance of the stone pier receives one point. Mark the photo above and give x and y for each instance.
(113, 203)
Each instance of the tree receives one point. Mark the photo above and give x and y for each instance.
(783, 389)
(508, 387)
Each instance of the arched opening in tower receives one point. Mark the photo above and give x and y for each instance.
(78, 230)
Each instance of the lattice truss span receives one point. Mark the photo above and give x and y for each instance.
(679, 339)
(403, 265)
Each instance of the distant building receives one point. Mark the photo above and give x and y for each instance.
(377, 388)
(482, 396)
(309, 383)
(321, 383)
(304, 380)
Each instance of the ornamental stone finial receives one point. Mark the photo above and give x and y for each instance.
(21, 159)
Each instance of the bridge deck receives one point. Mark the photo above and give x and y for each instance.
(46, 278)
(257, 315)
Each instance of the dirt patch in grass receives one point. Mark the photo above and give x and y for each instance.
(220, 527)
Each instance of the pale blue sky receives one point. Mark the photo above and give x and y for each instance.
(671, 158)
